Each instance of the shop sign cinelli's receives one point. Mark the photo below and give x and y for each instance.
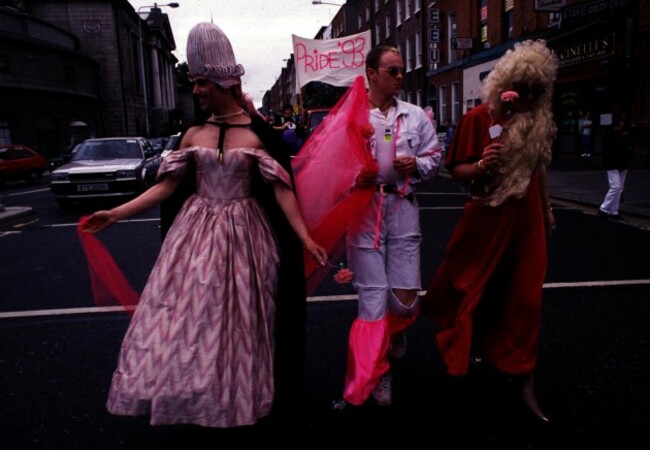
(593, 48)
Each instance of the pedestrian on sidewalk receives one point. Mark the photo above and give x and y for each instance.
(486, 294)
(384, 254)
(227, 292)
(617, 157)
(584, 130)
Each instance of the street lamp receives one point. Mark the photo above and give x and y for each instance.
(144, 76)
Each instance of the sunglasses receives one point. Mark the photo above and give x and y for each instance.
(394, 70)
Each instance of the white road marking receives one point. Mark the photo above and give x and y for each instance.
(440, 208)
(7, 233)
(315, 299)
(464, 194)
(16, 194)
(61, 225)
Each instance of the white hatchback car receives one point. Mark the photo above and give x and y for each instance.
(106, 168)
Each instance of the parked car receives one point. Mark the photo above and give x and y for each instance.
(19, 162)
(171, 143)
(60, 159)
(158, 143)
(105, 168)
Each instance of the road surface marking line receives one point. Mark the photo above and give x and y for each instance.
(58, 225)
(16, 194)
(315, 299)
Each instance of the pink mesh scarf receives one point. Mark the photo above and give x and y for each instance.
(109, 285)
(325, 171)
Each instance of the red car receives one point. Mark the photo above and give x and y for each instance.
(18, 162)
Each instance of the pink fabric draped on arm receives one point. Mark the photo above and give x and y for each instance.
(325, 172)
(110, 286)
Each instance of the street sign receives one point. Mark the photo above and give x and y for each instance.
(434, 35)
(548, 5)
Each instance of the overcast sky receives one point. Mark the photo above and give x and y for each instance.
(259, 31)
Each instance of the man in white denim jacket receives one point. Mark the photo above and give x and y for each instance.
(384, 255)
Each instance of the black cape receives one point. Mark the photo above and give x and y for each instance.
(291, 303)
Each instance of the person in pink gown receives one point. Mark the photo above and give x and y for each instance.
(200, 348)
(486, 294)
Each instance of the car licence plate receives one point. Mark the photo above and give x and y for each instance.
(92, 187)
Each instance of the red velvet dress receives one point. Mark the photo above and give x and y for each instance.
(486, 294)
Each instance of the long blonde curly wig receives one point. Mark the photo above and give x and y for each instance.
(527, 136)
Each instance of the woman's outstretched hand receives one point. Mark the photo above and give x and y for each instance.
(98, 221)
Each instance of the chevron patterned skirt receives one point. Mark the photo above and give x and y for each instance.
(199, 348)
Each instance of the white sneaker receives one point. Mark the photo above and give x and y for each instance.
(398, 347)
(383, 392)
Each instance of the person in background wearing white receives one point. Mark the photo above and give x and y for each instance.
(617, 156)
(584, 129)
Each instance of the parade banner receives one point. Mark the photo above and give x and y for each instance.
(334, 61)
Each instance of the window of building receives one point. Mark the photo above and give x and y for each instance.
(367, 13)
(418, 49)
(388, 24)
(418, 6)
(432, 96)
(420, 97)
(5, 132)
(407, 55)
(508, 19)
(442, 101)
(411, 97)
(377, 33)
(398, 13)
(376, 3)
(554, 19)
(408, 9)
(483, 24)
(451, 26)
(455, 102)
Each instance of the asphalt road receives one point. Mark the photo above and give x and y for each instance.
(594, 356)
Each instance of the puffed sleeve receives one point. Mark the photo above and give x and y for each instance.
(269, 168)
(175, 163)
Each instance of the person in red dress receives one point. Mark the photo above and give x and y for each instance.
(486, 294)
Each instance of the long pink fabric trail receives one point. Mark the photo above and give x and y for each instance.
(109, 285)
(325, 171)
